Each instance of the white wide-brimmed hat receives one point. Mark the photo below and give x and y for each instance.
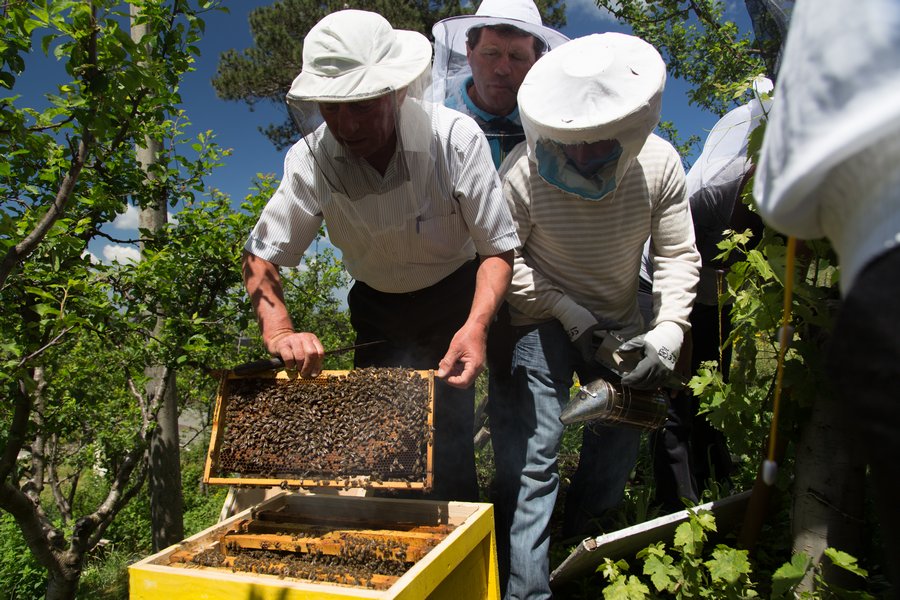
(605, 86)
(610, 81)
(353, 55)
(522, 14)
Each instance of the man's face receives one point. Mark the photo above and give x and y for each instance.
(365, 128)
(590, 157)
(499, 63)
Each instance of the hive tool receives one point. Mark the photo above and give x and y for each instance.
(276, 362)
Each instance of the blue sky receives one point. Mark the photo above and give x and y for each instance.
(237, 127)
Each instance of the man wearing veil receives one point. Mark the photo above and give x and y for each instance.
(480, 61)
(594, 185)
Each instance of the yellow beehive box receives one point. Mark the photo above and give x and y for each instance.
(459, 561)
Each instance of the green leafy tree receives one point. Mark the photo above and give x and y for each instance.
(76, 336)
(65, 170)
(712, 55)
(264, 72)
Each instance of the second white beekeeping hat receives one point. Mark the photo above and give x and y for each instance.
(601, 86)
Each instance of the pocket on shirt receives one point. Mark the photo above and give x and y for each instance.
(441, 238)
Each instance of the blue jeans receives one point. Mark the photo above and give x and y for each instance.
(526, 432)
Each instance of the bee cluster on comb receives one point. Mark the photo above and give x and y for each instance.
(371, 423)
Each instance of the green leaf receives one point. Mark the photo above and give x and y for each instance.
(661, 572)
(754, 143)
(845, 561)
(789, 575)
(728, 564)
(706, 520)
(610, 570)
(45, 310)
(626, 589)
(689, 537)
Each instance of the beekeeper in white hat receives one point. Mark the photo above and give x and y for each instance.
(594, 185)
(480, 61)
(408, 194)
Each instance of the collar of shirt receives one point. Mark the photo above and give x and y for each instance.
(487, 117)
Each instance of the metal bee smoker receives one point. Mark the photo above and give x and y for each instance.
(610, 404)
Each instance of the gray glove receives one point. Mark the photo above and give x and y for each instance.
(586, 342)
(590, 341)
(653, 369)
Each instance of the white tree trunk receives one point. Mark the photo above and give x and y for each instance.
(829, 489)
(166, 501)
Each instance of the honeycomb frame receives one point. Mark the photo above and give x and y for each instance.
(382, 458)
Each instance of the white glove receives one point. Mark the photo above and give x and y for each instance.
(659, 349)
(582, 327)
(581, 331)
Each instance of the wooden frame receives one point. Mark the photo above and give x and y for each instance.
(212, 475)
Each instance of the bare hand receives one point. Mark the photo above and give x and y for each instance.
(464, 359)
(300, 351)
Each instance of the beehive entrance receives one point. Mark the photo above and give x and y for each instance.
(361, 428)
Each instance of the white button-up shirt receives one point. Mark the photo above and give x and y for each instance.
(410, 233)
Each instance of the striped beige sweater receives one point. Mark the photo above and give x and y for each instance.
(589, 253)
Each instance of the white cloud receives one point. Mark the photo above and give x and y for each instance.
(584, 17)
(127, 220)
(577, 9)
(121, 254)
(131, 217)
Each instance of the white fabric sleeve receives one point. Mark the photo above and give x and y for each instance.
(673, 251)
(477, 189)
(291, 219)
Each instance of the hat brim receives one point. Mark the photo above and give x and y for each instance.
(369, 81)
(452, 31)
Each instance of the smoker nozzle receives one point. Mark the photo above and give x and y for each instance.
(610, 404)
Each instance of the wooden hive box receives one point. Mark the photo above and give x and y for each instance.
(452, 543)
(366, 428)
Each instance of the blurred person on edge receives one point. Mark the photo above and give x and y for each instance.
(829, 168)
(409, 195)
(595, 184)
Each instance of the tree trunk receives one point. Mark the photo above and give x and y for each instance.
(61, 588)
(166, 503)
(829, 490)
